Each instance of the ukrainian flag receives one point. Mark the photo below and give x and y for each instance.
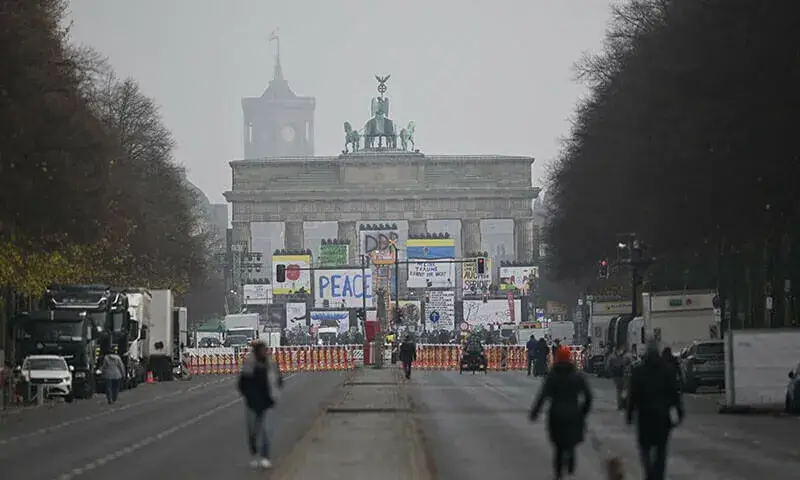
(430, 248)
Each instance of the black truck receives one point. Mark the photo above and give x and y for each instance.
(71, 334)
(109, 310)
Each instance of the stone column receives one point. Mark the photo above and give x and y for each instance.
(241, 234)
(470, 236)
(293, 235)
(349, 231)
(417, 227)
(524, 244)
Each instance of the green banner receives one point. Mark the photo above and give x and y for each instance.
(333, 255)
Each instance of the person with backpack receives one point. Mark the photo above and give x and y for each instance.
(259, 383)
(570, 403)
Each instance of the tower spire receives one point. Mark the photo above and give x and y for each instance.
(275, 37)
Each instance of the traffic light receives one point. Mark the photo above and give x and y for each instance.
(280, 272)
(481, 266)
(603, 272)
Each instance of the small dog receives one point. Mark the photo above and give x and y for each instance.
(614, 469)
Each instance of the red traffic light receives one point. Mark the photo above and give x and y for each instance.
(481, 266)
(603, 263)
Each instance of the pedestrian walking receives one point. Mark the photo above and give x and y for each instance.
(616, 366)
(259, 383)
(408, 354)
(653, 396)
(672, 362)
(542, 352)
(113, 370)
(570, 403)
(531, 348)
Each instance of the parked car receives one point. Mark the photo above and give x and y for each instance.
(703, 365)
(793, 392)
(51, 372)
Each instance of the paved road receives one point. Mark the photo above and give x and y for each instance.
(172, 430)
(476, 427)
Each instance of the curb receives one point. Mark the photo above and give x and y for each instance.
(773, 410)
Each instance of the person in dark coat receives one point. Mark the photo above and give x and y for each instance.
(531, 348)
(653, 396)
(673, 363)
(259, 384)
(542, 351)
(408, 354)
(566, 422)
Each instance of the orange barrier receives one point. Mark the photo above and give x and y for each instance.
(447, 356)
(307, 358)
(323, 358)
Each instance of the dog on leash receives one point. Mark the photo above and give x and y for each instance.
(614, 470)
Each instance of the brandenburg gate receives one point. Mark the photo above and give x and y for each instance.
(381, 176)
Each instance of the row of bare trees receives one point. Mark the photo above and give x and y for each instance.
(89, 189)
(689, 138)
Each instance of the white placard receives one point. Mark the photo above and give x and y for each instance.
(342, 288)
(440, 273)
(440, 310)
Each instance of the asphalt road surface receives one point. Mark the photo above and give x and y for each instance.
(173, 430)
(476, 427)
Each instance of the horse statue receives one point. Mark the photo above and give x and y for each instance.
(407, 136)
(351, 138)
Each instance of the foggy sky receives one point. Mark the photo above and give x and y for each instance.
(478, 77)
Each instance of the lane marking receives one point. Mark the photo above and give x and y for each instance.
(111, 411)
(76, 472)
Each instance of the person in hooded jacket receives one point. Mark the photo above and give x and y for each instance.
(570, 403)
(653, 395)
(259, 383)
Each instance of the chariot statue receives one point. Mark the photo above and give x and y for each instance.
(379, 130)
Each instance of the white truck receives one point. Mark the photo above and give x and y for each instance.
(601, 312)
(245, 324)
(161, 335)
(526, 329)
(677, 318)
(139, 305)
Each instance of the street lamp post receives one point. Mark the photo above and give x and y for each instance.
(635, 258)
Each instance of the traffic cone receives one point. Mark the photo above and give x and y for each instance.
(150, 377)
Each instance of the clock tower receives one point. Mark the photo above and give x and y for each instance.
(279, 123)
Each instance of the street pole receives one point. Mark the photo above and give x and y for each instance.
(396, 283)
(364, 288)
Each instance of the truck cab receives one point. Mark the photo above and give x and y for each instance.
(109, 312)
(71, 335)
